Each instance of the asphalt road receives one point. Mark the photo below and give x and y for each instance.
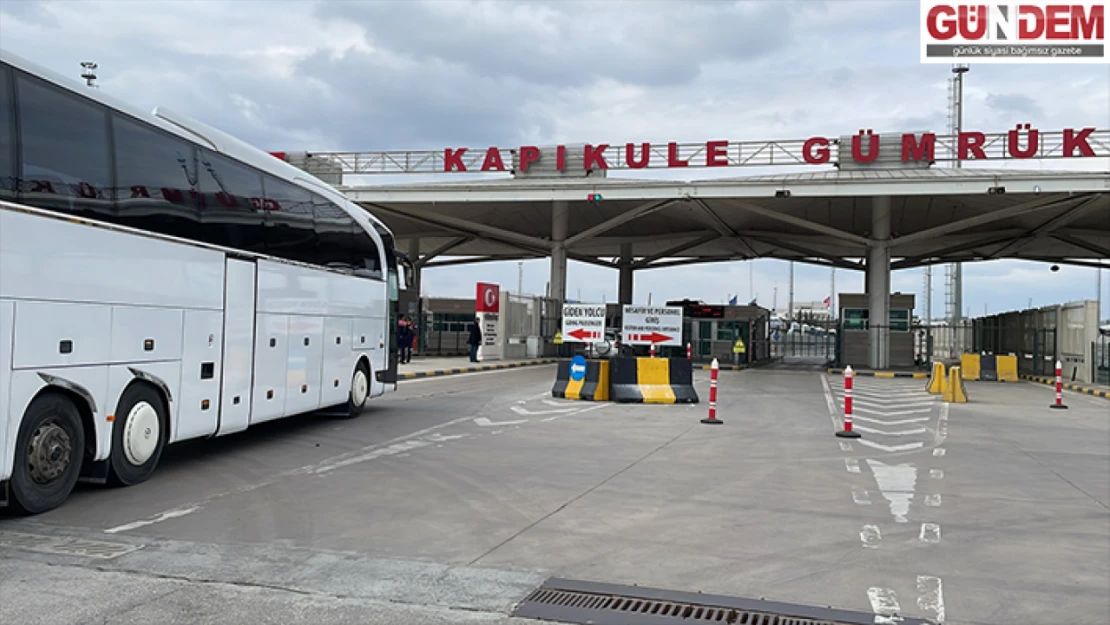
(453, 498)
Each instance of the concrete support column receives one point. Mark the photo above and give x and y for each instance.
(878, 284)
(412, 304)
(417, 268)
(560, 219)
(624, 288)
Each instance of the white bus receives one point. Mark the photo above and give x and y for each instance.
(163, 281)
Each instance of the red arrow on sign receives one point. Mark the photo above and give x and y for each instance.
(580, 334)
(654, 337)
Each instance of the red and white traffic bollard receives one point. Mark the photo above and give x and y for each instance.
(689, 352)
(653, 350)
(848, 432)
(712, 418)
(1059, 387)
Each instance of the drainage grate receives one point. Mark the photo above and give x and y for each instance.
(594, 603)
(65, 546)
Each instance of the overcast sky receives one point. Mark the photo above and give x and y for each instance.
(298, 75)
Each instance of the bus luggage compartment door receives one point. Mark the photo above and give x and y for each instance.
(239, 303)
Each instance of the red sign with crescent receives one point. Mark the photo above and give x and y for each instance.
(488, 298)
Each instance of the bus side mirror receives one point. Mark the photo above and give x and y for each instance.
(408, 272)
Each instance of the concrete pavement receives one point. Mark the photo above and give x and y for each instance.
(454, 497)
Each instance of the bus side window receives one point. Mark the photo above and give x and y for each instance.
(365, 252)
(156, 176)
(334, 240)
(8, 171)
(230, 203)
(290, 222)
(66, 163)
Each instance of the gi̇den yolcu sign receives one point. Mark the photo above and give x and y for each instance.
(487, 310)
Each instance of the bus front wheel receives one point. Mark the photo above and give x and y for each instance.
(138, 435)
(360, 390)
(48, 454)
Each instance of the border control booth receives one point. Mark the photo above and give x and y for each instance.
(857, 328)
(712, 332)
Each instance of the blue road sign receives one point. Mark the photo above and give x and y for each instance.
(578, 368)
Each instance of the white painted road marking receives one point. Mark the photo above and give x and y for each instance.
(896, 483)
(845, 446)
(852, 465)
(575, 413)
(861, 497)
(158, 518)
(892, 448)
(938, 452)
(884, 603)
(869, 430)
(856, 417)
(525, 411)
(933, 501)
(484, 422)
(362, 454)
(936, 474)
(930, 596)
(930, 533)
(870, 536)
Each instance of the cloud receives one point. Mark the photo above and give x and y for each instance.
(429, 74)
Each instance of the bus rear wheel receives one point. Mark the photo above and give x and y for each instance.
(49, 448)
(138, 435)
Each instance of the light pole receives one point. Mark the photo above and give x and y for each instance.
(89, 73)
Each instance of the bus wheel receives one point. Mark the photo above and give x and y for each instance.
(48, 454)
(360, 390)
(138, 435)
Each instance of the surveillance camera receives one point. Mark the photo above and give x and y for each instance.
(1055, 268)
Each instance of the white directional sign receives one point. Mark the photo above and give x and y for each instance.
(646, 325)
(583, 323)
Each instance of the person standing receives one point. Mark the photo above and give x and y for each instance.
(474, 340)
(404, 340)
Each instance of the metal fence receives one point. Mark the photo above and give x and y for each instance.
(1041, 336)
(1101, 351)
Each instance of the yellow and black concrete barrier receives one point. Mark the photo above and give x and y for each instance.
(954, 391)
(652, 381)
(579, 378)
(988, 368)
(937, 380)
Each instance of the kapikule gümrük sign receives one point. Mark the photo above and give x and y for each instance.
(1023, 141)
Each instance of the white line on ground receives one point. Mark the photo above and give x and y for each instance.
(852, 465)
(861, 497)
(363, 454)
(938, 452)
(930, 596)
(857, 417)
(525, 411)
(845, 446)
(864, 428)
(576, 412)
(894, 413)
(158, 518)
(930, 533)
(933, 501)
(485, 422)
(834, 414)
(870, 536)
(936, 474)
(884, 603)
(891, 448)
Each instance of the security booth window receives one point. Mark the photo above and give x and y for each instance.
(855, 318)
(900, 320)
